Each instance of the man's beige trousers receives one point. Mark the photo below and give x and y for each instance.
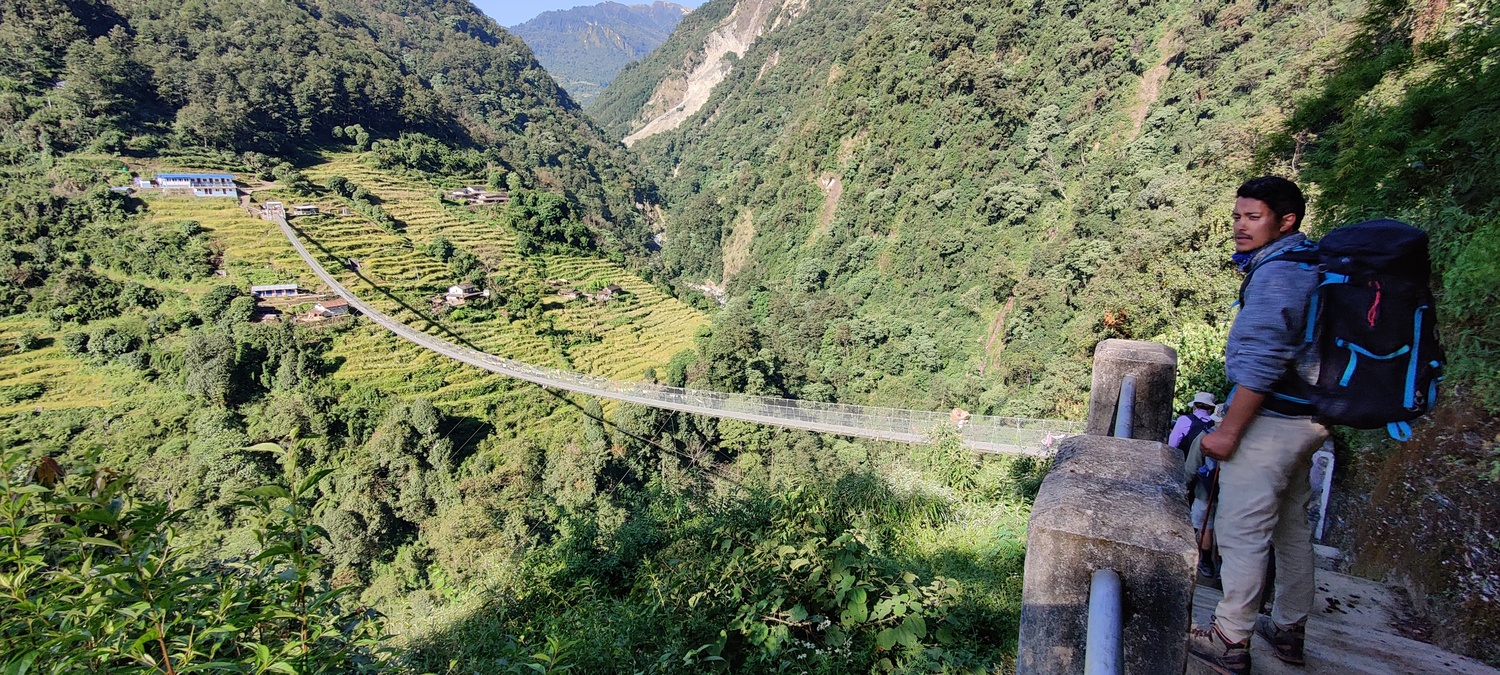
(1263, 498)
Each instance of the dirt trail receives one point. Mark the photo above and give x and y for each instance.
(1152, 80)
(996, 341)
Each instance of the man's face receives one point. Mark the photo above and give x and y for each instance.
(1255, 225)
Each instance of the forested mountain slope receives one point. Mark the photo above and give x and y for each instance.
(584, 47)
(275, 79)
(309, 494)
(949, 204)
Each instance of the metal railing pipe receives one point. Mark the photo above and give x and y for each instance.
(1125, 409)
(1104, 649)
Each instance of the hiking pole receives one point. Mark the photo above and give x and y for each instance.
(1204, 537)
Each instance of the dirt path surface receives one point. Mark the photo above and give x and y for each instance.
(1353, 629)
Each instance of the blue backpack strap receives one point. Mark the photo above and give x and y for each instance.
(1306, 246)
(1312, 315)
(1411, 368)
(1356, 351)
(1400, 431)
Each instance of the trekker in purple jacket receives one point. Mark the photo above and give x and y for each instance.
(1197, 421)
(1266, 440)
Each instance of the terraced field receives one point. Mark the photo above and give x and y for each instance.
(639, 330)
(255, 252)
(57, 380)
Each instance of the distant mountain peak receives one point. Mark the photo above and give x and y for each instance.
(584, 47)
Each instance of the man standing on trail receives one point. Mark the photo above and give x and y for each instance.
(1266, 440)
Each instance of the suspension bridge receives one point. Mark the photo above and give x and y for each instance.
(984, 433)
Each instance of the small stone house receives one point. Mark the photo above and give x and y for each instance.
(474, 195)
(331, 308)
(461, 293)
(609, 293)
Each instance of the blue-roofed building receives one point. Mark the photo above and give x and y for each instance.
(274, 291)
(198, 184)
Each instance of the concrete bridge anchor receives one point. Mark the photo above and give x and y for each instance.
(1113, 504)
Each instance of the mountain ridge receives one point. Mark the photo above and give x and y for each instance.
(584, 47)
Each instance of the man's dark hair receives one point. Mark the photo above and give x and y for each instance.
(1281, 195)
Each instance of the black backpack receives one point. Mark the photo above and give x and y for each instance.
(1373, 319)
(1195, 427)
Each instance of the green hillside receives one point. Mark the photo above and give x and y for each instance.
(972, 196)
(938, 203)
(300, 495)
(195, 82)
(620, 339)
(459, 504)
(919, 204)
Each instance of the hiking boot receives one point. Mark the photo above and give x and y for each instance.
(1209, 646)
(1287, 643)
(1206, 569)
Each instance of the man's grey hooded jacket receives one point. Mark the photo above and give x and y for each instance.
(1268, 337)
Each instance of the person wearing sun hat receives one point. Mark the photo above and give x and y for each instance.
(1198, 420)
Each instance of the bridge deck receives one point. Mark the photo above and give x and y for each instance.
(1352, 630)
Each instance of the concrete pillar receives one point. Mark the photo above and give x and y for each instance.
(1109, 503)
(1155, 369)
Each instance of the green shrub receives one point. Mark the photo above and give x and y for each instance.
(76, 343)
(21, 392)
(240, 310)
(26, 342)
(137, 295)
(107, 343)
(80, 295)
(96, 581)
(216, 301)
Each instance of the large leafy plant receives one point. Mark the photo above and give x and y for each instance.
(92, 579)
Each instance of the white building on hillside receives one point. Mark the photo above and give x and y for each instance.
(198, 184)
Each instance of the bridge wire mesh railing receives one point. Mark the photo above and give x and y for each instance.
(985, 433)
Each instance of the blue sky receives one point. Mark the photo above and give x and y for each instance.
(512, 12)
